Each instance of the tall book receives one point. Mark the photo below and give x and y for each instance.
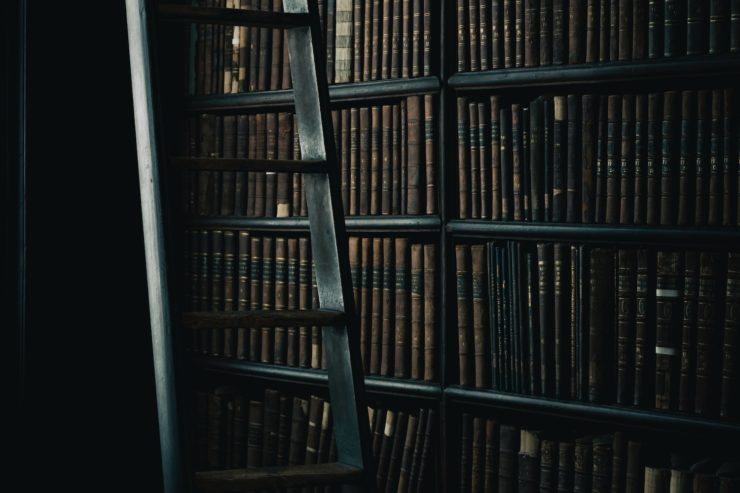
(402, 337)
(464, 326)
(416, 370)
(686, 387)
(601, 319)
(708, 310)
(668, 294)
(626, 302)
(729, 402)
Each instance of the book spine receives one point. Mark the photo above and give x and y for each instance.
(619, 461)
(406, 49)
(376, 159)
(525, 160)
(561, 282)
(536, 161)
(466, 445)
(409, 442)
(417, 32)
(669, 162)
(565, 467)
(614, 30)
(417, 311)
(427, 38)
(473, 26)
(367, 39)
(640, 142)
(592, 31)
(531, 35)
(729, 159)
(507, 460)
(583, 465)
(707, 329)
(255, 434)
(270, 428)
(462, 37)
(281, 299)
(490, 465)
(559, 160)
(484, 161)
(519, 28)
(415, 142)
(382, 352)
(385, 63)
(343, 42)
(483, 36)
(601, 313)
(573, 166)
(529, 462)
(497, 28)
(719, 14)
(495, 153)
(688, 103)
(304, 301)
(673, 28)
(376, 53)
(430, 175)
(268, 297)
(602, 464)
(547, 339)
(668, 294)
(576, 41)
(475, 183)
(298, 432)
(655, 28)
(626, 160)
(430, 324)
(715, 170)
(478, 458)
(463, 161)
(589, 108)
(395, 68)
(386, 448)
(688, 332)
(243, 295)
(547, 150)
(601, 163)
(292, 348)
(627, 281)
(548, 466)
(517, 155)
(506, 165)
(357, 39)
(641, 356)
(729, 402)
(402, 309)
(612, 159)
(653, 154)
(480, 331)
(639, 29)
(463, 281)
(696, 22)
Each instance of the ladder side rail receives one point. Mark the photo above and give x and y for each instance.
(151, 209)
(329, 242)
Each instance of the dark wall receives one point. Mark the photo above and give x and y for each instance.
(90, 409)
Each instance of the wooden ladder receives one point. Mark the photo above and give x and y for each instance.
(337, 312)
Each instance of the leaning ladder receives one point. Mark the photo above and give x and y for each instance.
(337, 313)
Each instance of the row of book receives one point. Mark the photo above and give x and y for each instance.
(532, 33)
(394, 288)
(364, 40)
(233, 431)
(663, 158)
(505, 458)
(385, 154)
(625, 326)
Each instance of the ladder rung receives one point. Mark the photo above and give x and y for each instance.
(232, 17)
(229, 164)
(262, 318)
(277, 477)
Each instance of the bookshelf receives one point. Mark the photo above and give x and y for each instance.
(445, 395)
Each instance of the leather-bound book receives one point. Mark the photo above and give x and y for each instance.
(641, 329)
(529, 461)
(285, 130)
(430, 319)
(696, 27)
(614, 30)
(536, 155)
(507, 459)
(705, 483)
(653, 158)
(386, 448)
(374, 206)
(729, 402)
(474, 149)
(419, 444)
(298, 205)
(655, 28)
(283, 438)
(315, 412)
(404, 462)
(255, 296)
(729, 157)
(281, 299)
(576, 32)
(508, 33)
(525, 146)
(407, 37)
(385, 349)
(477, 455)
(255, 426)
(265, 52)
(719, 20)
(547, 340)
(640, 143)
(226, 207)
(686, 159)
(657, 480)
(639, 29)
(345, 154)
(473, 26)
(243, 299)
(276, 45)
(531, 33)
(364, 181)
(601, 320)
(463, 158)
(519, 20)
(715, 164)
(604, 31)
(496, 310)
(601, 160)
(239, 432)
(612, 159)
(561, 319)
(626, 285)
(268, 297)
(378, 425)
(217, 444)
(708, 310)
(426, 62)
(481, 363)
(548, 466)
(424, 465)
(545, 32)
(369, 340)
(416, 369)
(206, 149)
(462, 36)
(484, 158)
(625, 29)
(298, 432)
(532, 343)
(260, 182)
(396, 159)
(430, 177)
(507, 206)
(681, 481)
(357, 40)
(668, 294)
(497, 28)
(515, 298)
(385, 46)
(602, 464)
(633, 478)
(463, 282)
(578, 325)
(573, 180)
(490, 459)
(565, 467)
(589, 107)
(402, 328)
(559, 160)
(286, 82)
(592, 31)
(495, 153)
(626, 160)
(396, 35)
(354, 160)
(415, 154)
(559, 32)
(304, 300)
(674, 28)
(686, 386)
(271, 125)
(735, 28)
(582, 465)
(229, 277)
(669, 158)
(619, 462)
(403, 177)
(367, 39)
(270, 428)
(517, 155)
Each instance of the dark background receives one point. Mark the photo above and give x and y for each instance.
(89, 416)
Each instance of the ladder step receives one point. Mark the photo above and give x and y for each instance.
(269, 165)
(276, 477)
(231, 17)
(263, 318)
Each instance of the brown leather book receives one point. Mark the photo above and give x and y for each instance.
(592, 31)
(626, 160)
(519, 20)
(415, 154)
(417, 311)
(516, 160)
(507, 207)
(708, 311)
(642, 356)
(602, 464)
(243, 295)
(529, 461)
(357, 40)
(251, 154)
(292, 346)
(640, 142)
(268, 297)
(473, 26)
(388, 298)
(345, 156)
(590, 108)
(430, 318)
(304, 301)
(284, 139)
(298, 432)
(508, 33)
(612, 50)
(216, 275)
(271, 125)
(495, 161)
(729, 402)
(376, 128)
(281, 299)
(270, 428)
(369, 340)
(406, 38)
(497, 30)
(729, 157)
(229, 277)
(376, 310)
(475, 171)
(255, 434)
(669, 158)
(463, 160)
(385, 29)
(396, 454)
(576, 31)
(626, 285)
(686, 387)
(668, 294)
(409, 442)
(480, 317)
(430, 174)
(490, 465)
(396, 35)
(255, 296)
(639, 29)
(565, 466)
(265, 62)
(507, 460)
(402, 337)
(417, 32)
(686, 158)
(276, 57)
(484, 42)
(398, 153)
(386, 447)
(364, 181)
(583, 465)
(385, 156)
(653, 156)
(367, 39)
(531, 33)
(715, 165)
(463, 282)
(354, 160)
(612, 159)
(601, 324)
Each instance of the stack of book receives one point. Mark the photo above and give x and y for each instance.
(661, 158)
(505, 458)
(533, 33)
(604, 325)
